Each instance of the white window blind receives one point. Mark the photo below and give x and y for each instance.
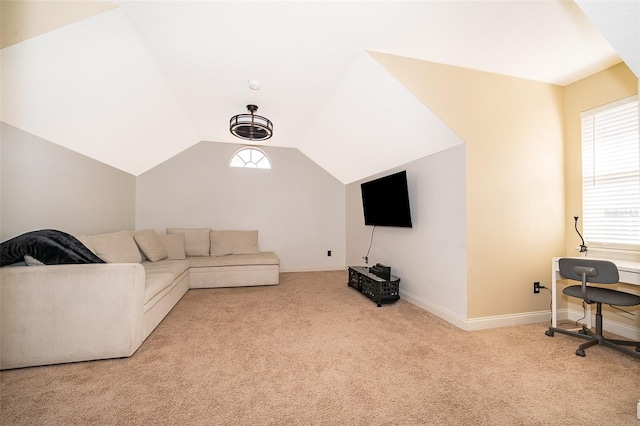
(611, 175)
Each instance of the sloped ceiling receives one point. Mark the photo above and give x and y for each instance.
(135, 85)
(619, 22)
(22, 19)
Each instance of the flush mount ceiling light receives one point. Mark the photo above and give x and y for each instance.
(254, 84)
(250, 126)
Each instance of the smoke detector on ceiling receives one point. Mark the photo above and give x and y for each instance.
(254, 84)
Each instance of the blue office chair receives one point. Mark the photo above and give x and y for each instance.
(590, 271)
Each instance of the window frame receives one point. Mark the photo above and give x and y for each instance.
(251, 149)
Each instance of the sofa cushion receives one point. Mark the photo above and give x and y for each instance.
(174, 243)
(159, 275)
(155, 283)
(86, 240)
(116, 247)
(196, 240)
(224, 243)
(261, 258)
(175, 267)
(150, 244)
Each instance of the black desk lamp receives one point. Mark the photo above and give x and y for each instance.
(583, 247)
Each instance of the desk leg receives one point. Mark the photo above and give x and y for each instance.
(554, 295)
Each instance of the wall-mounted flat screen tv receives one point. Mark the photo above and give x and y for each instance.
(386, 201)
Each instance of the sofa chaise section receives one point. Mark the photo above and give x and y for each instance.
(227, 258)
(235, 270)
(165, 284)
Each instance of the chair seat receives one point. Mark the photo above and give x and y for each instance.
(604, 295)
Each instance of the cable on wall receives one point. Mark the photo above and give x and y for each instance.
(366, 257)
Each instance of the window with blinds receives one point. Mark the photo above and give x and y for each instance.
(611, 175)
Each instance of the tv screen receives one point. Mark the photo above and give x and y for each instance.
(386, 201)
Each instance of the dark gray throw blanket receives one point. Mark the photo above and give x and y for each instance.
(49, 246)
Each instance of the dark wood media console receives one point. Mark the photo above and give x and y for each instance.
(378, 289)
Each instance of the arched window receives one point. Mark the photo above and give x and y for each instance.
(250, 157)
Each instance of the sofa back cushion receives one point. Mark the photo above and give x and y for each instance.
(116, 247)
(150, 245)
(174, 243)
(86, 241)
(233, 242)
(196, 240)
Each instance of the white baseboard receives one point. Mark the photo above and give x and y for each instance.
(508, 320)
(445, 314)
(626, 331)
(313, 268)
(477, 323)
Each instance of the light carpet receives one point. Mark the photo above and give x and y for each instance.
(312, 351)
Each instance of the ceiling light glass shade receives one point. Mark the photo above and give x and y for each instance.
(251, 127)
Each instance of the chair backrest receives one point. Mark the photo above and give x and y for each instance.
(597, 271)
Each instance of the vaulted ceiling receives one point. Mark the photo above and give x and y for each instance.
(133, 83)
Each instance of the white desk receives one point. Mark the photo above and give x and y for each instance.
(629, 274)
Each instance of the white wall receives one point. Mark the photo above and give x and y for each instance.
(297, 206)
(429, 258)
(44, 185)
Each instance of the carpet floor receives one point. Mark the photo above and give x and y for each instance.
(312, 351)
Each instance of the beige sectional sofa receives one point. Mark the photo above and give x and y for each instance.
(52, 314)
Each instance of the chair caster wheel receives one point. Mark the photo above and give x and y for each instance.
(580, 352)
(549, 333)
(637, 348)
(583, 332)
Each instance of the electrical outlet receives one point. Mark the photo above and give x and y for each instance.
(536, 287)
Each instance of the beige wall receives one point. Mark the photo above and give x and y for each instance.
(515, 192)
(610, 85)
(44, 185)
(514, 177)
